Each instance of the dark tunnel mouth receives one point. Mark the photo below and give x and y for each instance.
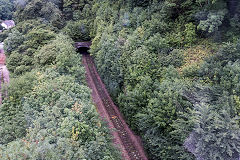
(83, 50)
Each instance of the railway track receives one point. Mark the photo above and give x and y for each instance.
(124, 138)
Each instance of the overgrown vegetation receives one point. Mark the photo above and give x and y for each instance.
(49, 113)
(171, 66)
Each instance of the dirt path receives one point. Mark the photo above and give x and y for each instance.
(124, 138)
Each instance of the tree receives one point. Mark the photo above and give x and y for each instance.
(45, 10)
(213, 21)
(12, 118)
(72, 7)
(61, 55)
(108, 62)
(78, 30)
(21, 48)
(14, 40)
(62, 124)
(215, 135)
(157, 121)
(6, 9)
(134, 100)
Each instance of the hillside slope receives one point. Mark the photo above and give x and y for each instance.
(171, 66)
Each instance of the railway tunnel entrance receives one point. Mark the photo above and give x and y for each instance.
(83, 50)
(83, 47)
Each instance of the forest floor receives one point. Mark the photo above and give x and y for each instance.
(129, 144)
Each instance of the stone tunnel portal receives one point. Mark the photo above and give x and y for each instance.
(83, 47)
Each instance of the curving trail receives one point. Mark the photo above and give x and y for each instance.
(129, 144)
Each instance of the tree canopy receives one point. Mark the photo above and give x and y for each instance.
(171, 66)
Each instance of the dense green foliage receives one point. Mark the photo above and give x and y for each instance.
(6, 9)
(49, 113)
(171, 66)
(142, 51)
(40, 9)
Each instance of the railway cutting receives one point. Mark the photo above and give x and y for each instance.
(129, 144)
